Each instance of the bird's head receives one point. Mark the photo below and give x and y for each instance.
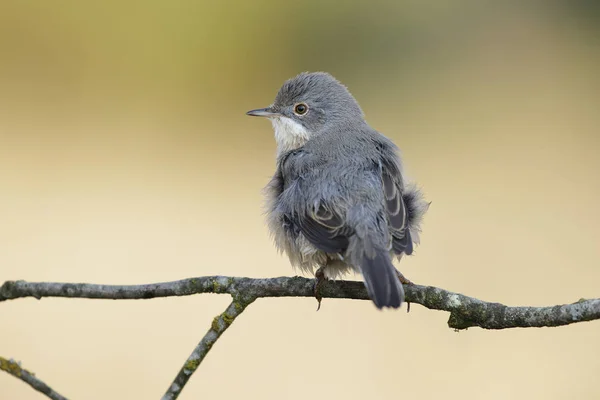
(308, 105)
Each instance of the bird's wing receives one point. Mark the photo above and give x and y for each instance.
(321, 223)
(325, 228)
(359, 235)
(396, 209)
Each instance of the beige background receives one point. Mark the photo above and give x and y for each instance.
(126, 157)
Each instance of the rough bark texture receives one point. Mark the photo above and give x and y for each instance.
(12, 367)
(465, 312)
(218, 326)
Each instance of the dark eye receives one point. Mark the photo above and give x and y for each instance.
(300, 108)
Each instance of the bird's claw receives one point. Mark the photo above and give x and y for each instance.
(404, 281)
(319, 279)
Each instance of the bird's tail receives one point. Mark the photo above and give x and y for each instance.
(381, 279)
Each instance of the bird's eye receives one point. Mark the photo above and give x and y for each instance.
(300, 109)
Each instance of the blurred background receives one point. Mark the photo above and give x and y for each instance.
(126, 157)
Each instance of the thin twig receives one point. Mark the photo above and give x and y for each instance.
(13, 368)
(464, 311)
(219, 325)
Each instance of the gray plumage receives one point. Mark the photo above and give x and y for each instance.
(338, 199)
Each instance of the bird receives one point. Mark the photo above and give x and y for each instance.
(338, 201)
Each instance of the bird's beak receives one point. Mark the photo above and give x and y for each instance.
(262, 112)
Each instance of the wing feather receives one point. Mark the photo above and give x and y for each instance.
(396, 210)
(325, 229)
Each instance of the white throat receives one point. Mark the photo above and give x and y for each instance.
(289, 134)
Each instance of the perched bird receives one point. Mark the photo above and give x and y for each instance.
(338, 200)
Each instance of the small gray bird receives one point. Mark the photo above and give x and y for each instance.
(338, 200)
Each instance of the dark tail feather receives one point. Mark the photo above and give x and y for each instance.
(381, 280)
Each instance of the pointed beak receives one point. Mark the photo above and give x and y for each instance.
(262, 112)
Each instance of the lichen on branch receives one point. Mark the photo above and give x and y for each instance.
(465, 311)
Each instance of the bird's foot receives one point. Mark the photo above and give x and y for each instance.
(319, 280)
(404, 281)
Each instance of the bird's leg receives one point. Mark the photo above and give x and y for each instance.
(319, 279)
(404, 281)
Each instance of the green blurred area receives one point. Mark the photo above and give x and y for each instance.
(186, 53)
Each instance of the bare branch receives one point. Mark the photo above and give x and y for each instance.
(219, 325)
(13, 368)
(464, 311)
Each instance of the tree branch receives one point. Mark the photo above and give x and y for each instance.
(464, 311)
(218, 326)
(13, 368)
